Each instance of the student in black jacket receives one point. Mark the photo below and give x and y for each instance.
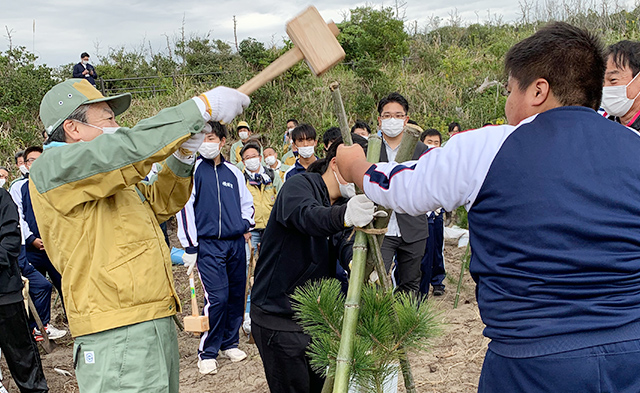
(298, 246)
(16, 342)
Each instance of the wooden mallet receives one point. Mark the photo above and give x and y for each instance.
(314, 41)
(195, 323)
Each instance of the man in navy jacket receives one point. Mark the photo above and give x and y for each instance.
(554, 221)
(85, 70)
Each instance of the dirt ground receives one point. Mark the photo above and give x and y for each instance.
(452, 365)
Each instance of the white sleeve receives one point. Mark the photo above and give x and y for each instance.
(246, 199)
(187, 232)
(446, 177)
(16, 195)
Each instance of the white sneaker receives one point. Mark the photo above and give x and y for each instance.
(208, 366)
(52, 332)
(234, 354)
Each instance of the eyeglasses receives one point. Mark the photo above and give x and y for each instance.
(399, 116)
(30, 160)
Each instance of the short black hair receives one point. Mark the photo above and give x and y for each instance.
(625, 54)
(19, 153)
(394, 97)
(430, 132)
(361, 124)
(453, 125)
(330, 135)
(294, 121)
(570, 59)
(303, 131)
(250, 145)
(31, 149)
(321, 165)
(219, 129)
(84, 54)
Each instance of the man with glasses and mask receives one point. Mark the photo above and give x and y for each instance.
(621, 92)
(99, 221)
(407, 235)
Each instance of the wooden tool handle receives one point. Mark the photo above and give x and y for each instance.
(273, 70)
(278, 67)
(194, 301)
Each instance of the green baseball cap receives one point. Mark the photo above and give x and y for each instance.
(67, 96)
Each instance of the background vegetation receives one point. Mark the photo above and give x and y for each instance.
(447, 70)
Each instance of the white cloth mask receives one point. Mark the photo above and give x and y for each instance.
(270, 160)
(615, 100)
(306, 151)
(392, 127)
(346, 190)
(243, 135)
(209, 150)
(431, 146)
(2, 182)
(252, 164)
(23, 169)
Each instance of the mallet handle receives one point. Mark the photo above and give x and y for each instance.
(278, 67)
(194, 301)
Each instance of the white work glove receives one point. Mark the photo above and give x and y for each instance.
(226, 103)
(359, 212)
(187, 151)
(189, 261)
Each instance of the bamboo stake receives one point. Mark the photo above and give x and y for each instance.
(359, 259)
(465, 259)
(342, 115)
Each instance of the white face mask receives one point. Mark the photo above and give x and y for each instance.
(23, 169)
(430, 146)
(392, 127)
(615, 100)
(306, 151)
(346, 190)
(2, 182)
(290, 129)
(85, 62)
(105, 130)
(252, 164)
(243, 135)
(209, 150)
(270, 160)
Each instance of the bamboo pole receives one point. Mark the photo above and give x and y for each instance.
(338, 106)
(359, 259)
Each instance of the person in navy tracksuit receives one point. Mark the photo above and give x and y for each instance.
(33, 260)
(554, 221)
(214, 226)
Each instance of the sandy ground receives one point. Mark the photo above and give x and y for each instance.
(452, 365)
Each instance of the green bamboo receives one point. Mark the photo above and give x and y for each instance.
(351, 310)
(465, 260)
(338, 106)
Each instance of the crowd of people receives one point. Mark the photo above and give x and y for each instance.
(553, 226)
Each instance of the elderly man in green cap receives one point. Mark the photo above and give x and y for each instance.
(99, 222)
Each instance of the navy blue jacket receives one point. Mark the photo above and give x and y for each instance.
(554, 219)
(91, 77)
(220, 206)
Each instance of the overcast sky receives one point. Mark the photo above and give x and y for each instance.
(65, 28)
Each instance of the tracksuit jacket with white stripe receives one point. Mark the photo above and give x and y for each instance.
(554, 218)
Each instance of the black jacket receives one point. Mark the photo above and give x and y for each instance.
(91, 77)
(297, 246)
(411, 228)
(10, 237)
